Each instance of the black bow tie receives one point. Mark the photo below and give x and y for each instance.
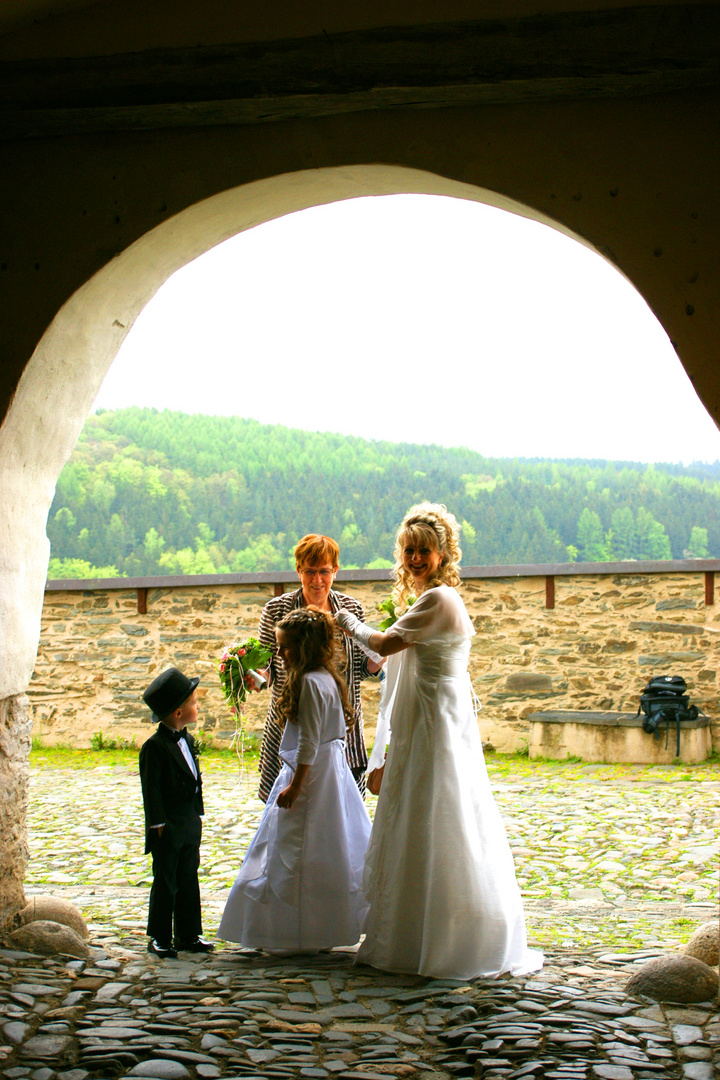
(176, 736)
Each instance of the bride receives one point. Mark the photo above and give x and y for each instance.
(439, 874)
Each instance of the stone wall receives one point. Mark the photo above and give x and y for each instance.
(595, 649)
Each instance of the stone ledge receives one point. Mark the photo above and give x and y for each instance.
(615, 737)
(607, 719)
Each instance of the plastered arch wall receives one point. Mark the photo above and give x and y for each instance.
(64, 375)
(136, 135)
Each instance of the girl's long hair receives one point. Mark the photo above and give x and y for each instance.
(431, 524)
(312, 634)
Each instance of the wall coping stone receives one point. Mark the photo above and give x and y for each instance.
(467, 573)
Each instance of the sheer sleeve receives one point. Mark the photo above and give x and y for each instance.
(308, 721)
(266, 637)
(437, 613)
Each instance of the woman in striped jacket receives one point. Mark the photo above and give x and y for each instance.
(317, 563)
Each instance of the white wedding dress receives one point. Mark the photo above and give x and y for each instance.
(439, 874)
(299, 888)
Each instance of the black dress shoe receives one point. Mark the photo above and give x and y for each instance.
(198, 945)
(164, 952)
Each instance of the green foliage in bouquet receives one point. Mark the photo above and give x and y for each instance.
(388, 606)
(236, 660)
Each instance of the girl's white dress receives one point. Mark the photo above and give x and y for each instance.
(440, 879)
(300, 885)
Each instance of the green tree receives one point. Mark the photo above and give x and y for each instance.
(77, 569)
(622, 523)
(62, 529)
(144, 486)
(591, 540)
(698, 546)
(653, 542)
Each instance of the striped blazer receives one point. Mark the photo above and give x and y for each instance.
(356, 671)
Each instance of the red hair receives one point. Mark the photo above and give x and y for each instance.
(313, 550)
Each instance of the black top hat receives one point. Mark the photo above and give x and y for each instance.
(167, 693)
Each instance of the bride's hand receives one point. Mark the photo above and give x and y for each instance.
(374, 780)
(250, 683)
(347, 622)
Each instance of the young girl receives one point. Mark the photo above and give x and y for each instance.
(299, 887)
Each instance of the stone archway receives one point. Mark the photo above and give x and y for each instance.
(56, 393)
(76, 351)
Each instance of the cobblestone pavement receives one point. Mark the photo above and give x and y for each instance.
(580, 836)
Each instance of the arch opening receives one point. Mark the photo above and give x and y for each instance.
(66, 370)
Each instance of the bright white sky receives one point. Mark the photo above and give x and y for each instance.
(423, 319)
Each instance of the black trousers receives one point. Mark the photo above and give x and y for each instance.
(175, 893)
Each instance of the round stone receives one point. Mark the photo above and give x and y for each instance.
(49, 939)
(674, 978)
(54, 909)
(703, 944)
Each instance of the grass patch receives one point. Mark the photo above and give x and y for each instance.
(110, 752)
(684, 928)
(515, 768)
(605, 934)
(71, 757)
(519, 767)
(99, 741)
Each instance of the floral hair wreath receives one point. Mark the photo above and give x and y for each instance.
(303, 616)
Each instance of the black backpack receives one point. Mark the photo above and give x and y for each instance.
(664, 702)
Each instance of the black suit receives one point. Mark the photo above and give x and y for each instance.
(172, 797)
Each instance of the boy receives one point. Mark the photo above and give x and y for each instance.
(172, 798)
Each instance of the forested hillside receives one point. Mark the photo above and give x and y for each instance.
(150, 492)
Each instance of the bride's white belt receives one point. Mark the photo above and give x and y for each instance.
(432, 668)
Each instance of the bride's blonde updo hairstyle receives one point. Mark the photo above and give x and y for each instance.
(433, 525)
(312, 633)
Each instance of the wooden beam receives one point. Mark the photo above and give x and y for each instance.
(635, 50)
(550, 591)
(142, 595)
(709, 588)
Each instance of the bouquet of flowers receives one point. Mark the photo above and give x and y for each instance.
(388, 606)
(240, 661)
